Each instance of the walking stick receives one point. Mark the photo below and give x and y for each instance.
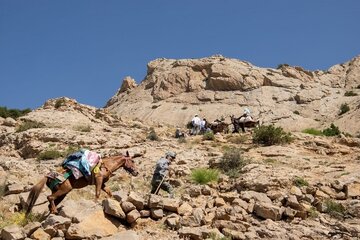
(158, 188)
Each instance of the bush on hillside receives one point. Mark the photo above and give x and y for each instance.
(313, 131)
(209, 135)
(204, 175)
(271, 135)
(153, 135)
(350, 94)
(28, 124)
(334, 209)
(331, 131)
(59, 102)
(300, 182)
(344, 108)
(232, 162)
(49, 154)
(13, 113)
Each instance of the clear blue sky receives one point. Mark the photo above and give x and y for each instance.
(84, 48)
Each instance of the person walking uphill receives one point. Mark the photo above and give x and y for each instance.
(161, 172)
(196, 121)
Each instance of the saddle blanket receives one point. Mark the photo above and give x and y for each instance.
(82, 162)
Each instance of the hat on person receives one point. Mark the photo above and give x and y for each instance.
(170, 154)
(196, 115)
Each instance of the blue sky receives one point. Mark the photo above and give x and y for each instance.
(83, 49)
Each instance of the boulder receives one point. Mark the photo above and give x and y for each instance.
(157, 213)
(12, 232)
(127, 206)
(268, 211)
(95, 225)
(132, 216)
(173, 221)
(185, 209)
(40, 234)
(57, 222)
(352, 190)
(155, 201)
(137, 200)
(171, 204)
(113, 208)
(9, 122)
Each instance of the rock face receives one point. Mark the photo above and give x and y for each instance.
(174, 90)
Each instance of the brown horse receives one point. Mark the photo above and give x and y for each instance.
(219, 126)
(108, 166)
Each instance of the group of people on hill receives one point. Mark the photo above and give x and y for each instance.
(198, 125)
(201, 125)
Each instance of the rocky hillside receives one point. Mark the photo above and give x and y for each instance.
(292, 97)
(306, 189)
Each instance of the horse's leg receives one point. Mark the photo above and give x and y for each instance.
(106, 189)
(98, 186)
(63, 189)
(242, 125)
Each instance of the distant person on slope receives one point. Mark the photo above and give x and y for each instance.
(196, 121)
(246, 117)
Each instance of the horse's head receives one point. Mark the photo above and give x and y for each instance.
(129, 165)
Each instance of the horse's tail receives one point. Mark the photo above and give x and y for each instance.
(34, 194)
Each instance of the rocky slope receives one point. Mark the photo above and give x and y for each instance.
(308, 189)
(294, 98)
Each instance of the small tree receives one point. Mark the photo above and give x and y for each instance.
(331, 131)
(209, 135)
(232, 162)
(152, 135)
(271, 135)
(344, 108)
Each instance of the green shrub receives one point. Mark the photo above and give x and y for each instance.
(232, 162)
(19, 218)
(59, 102)
(313, 131)
(300, 182)
(331, 131)
(83, 128)
(152, 135)
(333, 208)
(13, 113)
(271, 135)
(344, 108)
(49, 154)
(204, 175)
(28, 125)
(98, 114)
(181, 140)
(312, 212)
(70, 150)
(209, 135)
(296, 112)
(282, 65)
(350, 94)
(237, 139)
